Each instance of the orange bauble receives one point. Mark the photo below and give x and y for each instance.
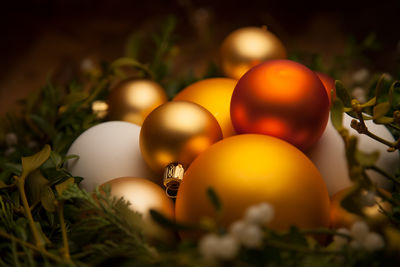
(248, 169)
(339, 217)
(214, 95)
(281, 98)
(329, 85)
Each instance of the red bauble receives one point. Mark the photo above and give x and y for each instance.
(281, 98)
(329, 85)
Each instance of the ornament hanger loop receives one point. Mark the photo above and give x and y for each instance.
(173, 175)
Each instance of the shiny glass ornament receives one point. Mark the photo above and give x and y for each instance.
(133, 99)
(176, 133)
(247, 47)
(143, 196)
(215, 95)
(329, 84)
(281, 98)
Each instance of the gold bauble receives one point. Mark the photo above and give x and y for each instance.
(177, 132)
(340, 217)
(133, 99)
(247, 47)
(215, 95)
(143, 196)
(248, 169)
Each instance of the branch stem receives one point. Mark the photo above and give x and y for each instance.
(65, 250)
(383, 173)
(364, 130)
(27, 211)
(31, 246)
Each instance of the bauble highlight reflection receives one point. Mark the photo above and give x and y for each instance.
(143, 196)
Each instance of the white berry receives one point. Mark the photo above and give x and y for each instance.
(373, 242)
(359, 231)
(213, 247)
(360, 76)
(228, 247)
(262, 213)
(11, 139)
(339, 240)
(237, 228)
(252, 236)
(208, 246)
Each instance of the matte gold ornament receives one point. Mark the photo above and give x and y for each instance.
(143, 196)
(173, 135)
(133, 99)
(248, 169)
(247, 47)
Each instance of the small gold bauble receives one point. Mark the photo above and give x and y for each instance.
(143, 196)
(177, 132)
(133, 99)
(247, 47)
(215, 95)
(340, 217)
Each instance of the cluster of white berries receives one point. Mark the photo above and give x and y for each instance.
(362, 238)
(360, 77)
(11, 140)
(246, 232)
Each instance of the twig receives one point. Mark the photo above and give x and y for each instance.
(382, 172)
(362, 128)
(27, 211)
(31, 246)
(65, 249)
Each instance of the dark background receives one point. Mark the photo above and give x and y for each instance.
(40, 38)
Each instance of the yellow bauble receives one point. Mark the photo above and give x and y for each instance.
(340, 217)
(177, 132)
(247, 47)
(215, 95)
(249, 169)
(143, 196)
(132, 100)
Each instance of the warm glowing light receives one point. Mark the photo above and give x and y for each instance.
(100, 108)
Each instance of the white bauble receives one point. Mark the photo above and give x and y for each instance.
(107, 151)
(328, 155)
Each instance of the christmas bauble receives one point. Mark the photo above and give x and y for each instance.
(107, 150)
(247, 47)
(177, 132)
(328, 154)
(340, 217)
(329, 85)
(248, 169)
(215, 95)
(281, 98)
(133, 99)
(143, 196)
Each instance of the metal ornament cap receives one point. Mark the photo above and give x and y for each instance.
(173, 176)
